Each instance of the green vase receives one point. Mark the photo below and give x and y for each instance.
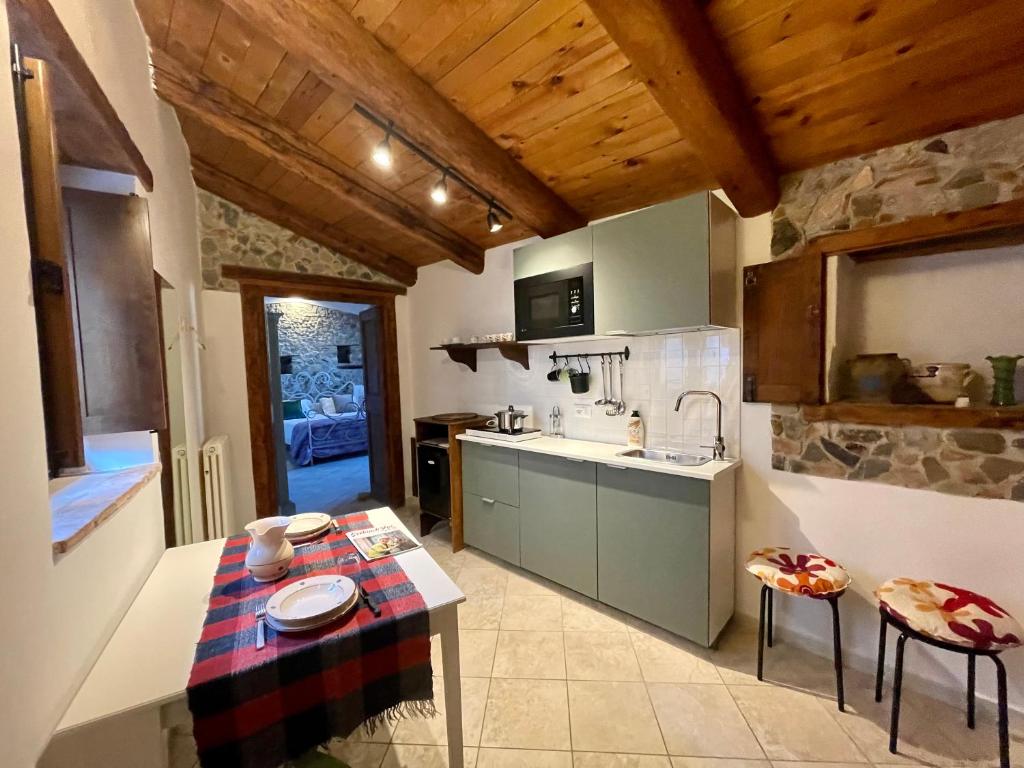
(1004, 372)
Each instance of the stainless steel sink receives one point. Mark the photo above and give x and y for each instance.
(666, 457)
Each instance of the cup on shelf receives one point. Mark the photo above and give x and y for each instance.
(474, 339)
(455, 340)
(508, 336)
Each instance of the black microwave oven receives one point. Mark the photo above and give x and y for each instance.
(555, 304)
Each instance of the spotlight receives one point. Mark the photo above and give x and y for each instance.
(382, 152)
(439, 192)
(493, 222)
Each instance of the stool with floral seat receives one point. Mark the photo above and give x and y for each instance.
(953, 619)
(804, 575)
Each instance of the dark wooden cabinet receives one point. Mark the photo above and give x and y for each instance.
(116, 323)
(783, 330)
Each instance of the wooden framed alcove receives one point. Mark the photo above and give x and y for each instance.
(258, 284)
(784, 315)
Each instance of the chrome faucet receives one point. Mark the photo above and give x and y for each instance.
(719, 446)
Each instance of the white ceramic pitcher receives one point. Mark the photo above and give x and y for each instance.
(270, 553)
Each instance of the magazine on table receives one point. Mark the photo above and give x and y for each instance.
(382, 541)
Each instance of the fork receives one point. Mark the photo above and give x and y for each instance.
(261, 640)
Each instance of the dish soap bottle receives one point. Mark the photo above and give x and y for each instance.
(635, 430)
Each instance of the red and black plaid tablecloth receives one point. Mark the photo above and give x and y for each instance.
(258, 709)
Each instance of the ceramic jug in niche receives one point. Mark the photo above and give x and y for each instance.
(270, 553)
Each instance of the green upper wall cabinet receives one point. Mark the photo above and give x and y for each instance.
(670, 266)
(560, 252)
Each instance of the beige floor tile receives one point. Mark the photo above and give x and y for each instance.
(529, 654)
(479, 612)
(524, 583)
(792, 725)
(522, 758)
(600, 656)
(383, 732)
(527, 714)
(703, 721)
(484, 582)
(543, 613)
(719, 762)
(433, 731)
(357, 754)
(662, 661)
(796, 764)
(581, 614)
(417, 756)
(613, 717)
(612, 760)
(476, 652)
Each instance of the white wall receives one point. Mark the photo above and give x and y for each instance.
(227, 406)
(70, 606)
(877, 531)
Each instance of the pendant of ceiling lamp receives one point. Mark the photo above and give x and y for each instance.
(383, 157)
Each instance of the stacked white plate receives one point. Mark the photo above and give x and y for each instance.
(311, 603)
(307, 526)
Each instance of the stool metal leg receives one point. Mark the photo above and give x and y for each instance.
(1004, 725)
(771, 615)
(970, 690)
(837, 652)
(760, 633)
(897, 689)
(879, 675)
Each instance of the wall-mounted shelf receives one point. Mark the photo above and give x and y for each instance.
(466, 353)
(940, 416)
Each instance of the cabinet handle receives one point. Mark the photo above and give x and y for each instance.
(575, 461)
(615, 466)
(486, 500)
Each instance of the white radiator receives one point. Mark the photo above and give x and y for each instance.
(217, 486)
(182, 497)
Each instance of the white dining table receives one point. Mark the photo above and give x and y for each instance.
(141, 675)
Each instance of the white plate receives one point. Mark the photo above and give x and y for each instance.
(306, 525)
(314, 624)
(310, 599)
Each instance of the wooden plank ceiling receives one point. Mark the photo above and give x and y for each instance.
(546, 82)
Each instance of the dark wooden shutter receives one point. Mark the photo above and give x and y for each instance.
(117, 326)
(783, 330)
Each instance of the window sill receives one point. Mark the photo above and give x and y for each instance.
(78, 504)
(939, 416)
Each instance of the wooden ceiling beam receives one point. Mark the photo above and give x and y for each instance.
(216, 107)
(273, 210)
(674, 48)
(347, 56)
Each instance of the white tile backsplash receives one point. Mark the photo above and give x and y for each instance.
(659, 369)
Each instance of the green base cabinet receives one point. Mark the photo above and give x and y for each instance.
(491, 526)
(653, 534)
(558, 520)
(491, 472)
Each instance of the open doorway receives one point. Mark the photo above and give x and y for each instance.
(378, 411)
(320, 383)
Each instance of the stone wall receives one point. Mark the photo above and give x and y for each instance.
(955, 171)
(311, 333)
(230, 235)
(986, 463)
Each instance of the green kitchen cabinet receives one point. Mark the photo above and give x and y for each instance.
(653, 545)
(570, 249)
(491, 472)
(491, 526)
(667, 266)
(558, 520)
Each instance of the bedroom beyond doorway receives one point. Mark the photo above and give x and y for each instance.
(318, 397)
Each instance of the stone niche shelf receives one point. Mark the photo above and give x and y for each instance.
(938, 416)
(466, 353)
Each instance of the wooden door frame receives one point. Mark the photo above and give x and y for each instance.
(258, 284)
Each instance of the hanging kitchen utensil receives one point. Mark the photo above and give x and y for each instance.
(580, 381)
(556, 370)
(604, 385)
(613, 402)
(622, 392)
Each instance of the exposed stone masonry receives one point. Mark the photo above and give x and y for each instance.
(986, 463)
(230, 235)
(955, 171)
(311, 333)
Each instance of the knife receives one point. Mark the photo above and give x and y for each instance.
(371, 604)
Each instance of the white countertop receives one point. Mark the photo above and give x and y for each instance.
(604, 453)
